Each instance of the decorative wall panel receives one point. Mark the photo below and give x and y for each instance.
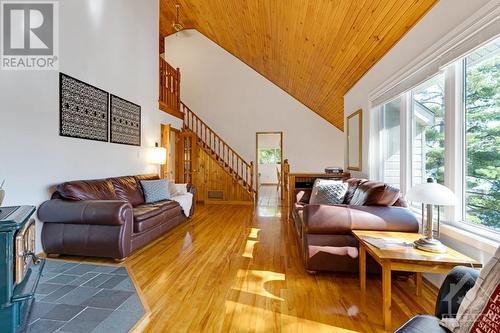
(125, 122)
(83, 110)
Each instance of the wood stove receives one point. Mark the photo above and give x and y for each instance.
(20, 268)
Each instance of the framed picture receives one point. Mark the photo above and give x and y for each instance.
(355, 141)
(83, 110)
(125, 122)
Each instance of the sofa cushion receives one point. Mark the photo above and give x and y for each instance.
(340, 219)
(148, 216)
(128, 189)
(352, 185)
(99, 189)
(155, 190)
(328, 192)
(146, 211)
(373, 193)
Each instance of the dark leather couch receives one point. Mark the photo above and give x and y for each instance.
(446, 306)
(105, 217)
(324, 231)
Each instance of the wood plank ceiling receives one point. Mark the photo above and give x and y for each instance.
(315, 50)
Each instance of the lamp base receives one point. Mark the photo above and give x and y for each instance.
(430, 245)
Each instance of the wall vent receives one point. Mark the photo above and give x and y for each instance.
(216, 195)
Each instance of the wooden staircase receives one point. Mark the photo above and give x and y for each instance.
(219, 150)
(241, 171)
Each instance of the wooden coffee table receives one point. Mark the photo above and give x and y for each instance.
(404, 258)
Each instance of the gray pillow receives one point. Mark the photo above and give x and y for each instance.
(328, 192)
(155, 190)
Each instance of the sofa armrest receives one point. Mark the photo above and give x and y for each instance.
(97, 212)
(457, 283)
(191, 188)
(342, 219)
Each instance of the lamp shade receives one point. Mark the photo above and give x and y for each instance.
(431, 193)
(158, 155)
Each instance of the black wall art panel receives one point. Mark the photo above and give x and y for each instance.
(83, 110)
(125, 122)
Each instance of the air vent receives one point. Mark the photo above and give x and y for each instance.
(216, 195)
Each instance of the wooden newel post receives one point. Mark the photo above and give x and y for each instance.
(251, 175)
(286, 183)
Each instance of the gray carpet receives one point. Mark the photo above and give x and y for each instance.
(83, 298)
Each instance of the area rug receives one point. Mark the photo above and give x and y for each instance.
(83, 298)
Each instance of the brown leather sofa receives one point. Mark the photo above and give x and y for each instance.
(324, 231)
(105, 217)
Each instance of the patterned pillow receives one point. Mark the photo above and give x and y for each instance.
(328, 192)
(155, 190)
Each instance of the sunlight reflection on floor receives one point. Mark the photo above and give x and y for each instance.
(268, 211)
(248, 253)
(267, 321)
(254, 281)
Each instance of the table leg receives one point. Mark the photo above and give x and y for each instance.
(418, 283)
(362, 268)
(386, 295)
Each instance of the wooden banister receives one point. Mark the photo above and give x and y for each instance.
(170, 88)
(242, 171)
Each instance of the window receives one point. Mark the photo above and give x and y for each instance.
(270, 156)
(482, 136)
(415, 142)
(428, 131)
(390, 124)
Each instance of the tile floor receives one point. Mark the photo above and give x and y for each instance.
(83, 298)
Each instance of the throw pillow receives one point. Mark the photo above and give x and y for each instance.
(155, 190)
(478, 311)
(328, 192)
(172, 188)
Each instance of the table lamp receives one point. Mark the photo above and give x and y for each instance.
(430, 194)
(158, 156)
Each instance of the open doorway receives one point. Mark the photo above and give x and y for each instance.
(269, 157)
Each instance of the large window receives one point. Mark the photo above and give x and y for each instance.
(390, 142)
(416, 142)
(428, 131)
(482, 136)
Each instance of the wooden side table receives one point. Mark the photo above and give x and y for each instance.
(404, 258)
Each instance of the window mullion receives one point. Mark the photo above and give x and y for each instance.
(454, 154)
(405, 171)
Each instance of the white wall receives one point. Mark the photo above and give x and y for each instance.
(237, 102)
(110, 44)
(441, 20)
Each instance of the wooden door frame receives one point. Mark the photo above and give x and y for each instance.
(257, 161)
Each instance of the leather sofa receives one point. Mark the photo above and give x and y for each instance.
(105, 217)
(324, 231)
(457, 283)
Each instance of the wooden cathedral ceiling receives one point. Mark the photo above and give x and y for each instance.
(315, 50)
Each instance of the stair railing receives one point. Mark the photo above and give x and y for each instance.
(239, 169)
(170, 86)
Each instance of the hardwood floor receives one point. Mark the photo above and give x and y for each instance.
(238, 269)
(268, 196)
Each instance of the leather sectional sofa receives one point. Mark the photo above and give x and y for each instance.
(324, 231)
(105, 217)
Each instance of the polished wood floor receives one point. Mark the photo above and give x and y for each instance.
(238, 269)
